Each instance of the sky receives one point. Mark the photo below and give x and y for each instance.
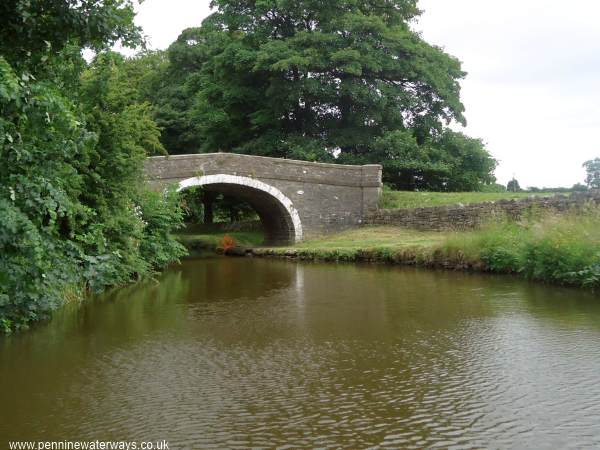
(532, 92)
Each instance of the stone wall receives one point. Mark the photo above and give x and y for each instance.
(464, 217)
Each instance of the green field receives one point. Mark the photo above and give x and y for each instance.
(403, 199)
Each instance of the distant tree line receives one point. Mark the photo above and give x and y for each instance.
(592, 181)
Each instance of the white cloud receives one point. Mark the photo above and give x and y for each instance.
(532, 92)
(164, 20)
(533, 86)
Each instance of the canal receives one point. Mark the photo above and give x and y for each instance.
(250, 353)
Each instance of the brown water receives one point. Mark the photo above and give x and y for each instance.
(238, 353)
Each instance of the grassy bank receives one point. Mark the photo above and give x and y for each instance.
(563, 250)
(383, 238)
(401, 199)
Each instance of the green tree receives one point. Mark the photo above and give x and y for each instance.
(74, 213)
(513, 186)
(126, 134)
(338, 73)
(339, 81)
(174, 98)
(578, 187)
(592, 168)
(32, 30)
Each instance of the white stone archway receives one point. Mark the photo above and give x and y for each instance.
(285, 202)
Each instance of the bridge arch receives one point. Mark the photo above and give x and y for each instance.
(279, 217)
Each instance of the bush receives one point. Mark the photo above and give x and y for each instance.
(74, 212)
(32, 278)
(161, 214)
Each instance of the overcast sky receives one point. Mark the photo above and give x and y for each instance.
(533, 88)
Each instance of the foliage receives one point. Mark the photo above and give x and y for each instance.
(578, 187)
(448, 162)
(225, 208)
(513, 186)
(559, 190)
(74, 212)
(494, 187)
(31, 30)
(592, 168)
(161, 214)
(42, 146)
(112, 103)
(175, 91)
(32, 279)
(337, 81)
(230, 209)
(192, 205)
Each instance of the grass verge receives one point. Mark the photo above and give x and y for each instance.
(558, 249)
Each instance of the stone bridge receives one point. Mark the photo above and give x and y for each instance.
(295, 200)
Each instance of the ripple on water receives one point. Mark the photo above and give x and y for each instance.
(442, 363)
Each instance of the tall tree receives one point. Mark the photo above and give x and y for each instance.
(592, 168)
(513, 186)
(327, 81)
(340, 73)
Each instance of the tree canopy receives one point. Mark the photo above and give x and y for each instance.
(31, 30)
(344, 81)
(592, 168)
(513, 186)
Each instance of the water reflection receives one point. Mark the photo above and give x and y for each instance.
(232, 353)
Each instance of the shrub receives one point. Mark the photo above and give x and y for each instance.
(160, 214)
(74, 212)
(33, 275)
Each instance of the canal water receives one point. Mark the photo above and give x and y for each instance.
(249, 353)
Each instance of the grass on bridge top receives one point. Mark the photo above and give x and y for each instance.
(404, 199)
